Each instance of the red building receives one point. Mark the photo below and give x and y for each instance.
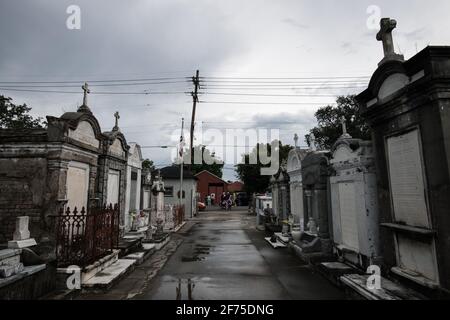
(236, 186)
(210, 184)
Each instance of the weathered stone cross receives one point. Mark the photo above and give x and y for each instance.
(117, 116)
(86, 91)
(385, 35)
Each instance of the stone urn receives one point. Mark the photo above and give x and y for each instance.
(296, 233)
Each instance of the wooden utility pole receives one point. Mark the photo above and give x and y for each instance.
(181, 162)
(194, 94)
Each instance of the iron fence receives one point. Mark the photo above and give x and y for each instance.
(83, 237)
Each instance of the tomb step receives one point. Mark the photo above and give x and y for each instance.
(282, 238)
(109, 276)
(27, 271)
(158, 244)
(97, 266)
(333, 271)
(357, 284)
(139, 233)
(141, 256)
(177, 228)
(10, 256)
(311, 258)
(277, 244)
(8, 270)
(129, 245)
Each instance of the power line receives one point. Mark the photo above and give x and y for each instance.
(94, 81)
(284, 88)
(269, 95)
(95, 85)
(145, 92)
(288, 78)
(284, 82)
(266, 103)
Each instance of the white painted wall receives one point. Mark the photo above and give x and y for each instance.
(190, 189)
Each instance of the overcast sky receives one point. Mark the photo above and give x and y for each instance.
(172, 38)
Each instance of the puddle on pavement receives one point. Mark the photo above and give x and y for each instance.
(189, 285)
(199, 253)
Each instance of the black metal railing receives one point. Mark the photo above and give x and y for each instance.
(83, 237)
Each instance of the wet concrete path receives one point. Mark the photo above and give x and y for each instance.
(224, 257)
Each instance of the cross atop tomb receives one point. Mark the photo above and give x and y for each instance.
(86, 90)
(84, 107)
(296, 140)
(117, 116)
(387, 25)
(345, 135)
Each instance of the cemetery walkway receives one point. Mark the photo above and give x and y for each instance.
(221, 255)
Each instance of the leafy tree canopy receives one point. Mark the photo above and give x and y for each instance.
(14, 116)
(148, 164)
(209, 161)
(250, 174)
(329, 127)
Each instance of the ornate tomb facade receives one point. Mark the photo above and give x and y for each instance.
(407, 105)
(294, 170)
(354, 201)
(133, 190)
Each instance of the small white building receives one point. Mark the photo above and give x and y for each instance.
(171, 177)
(133, 189)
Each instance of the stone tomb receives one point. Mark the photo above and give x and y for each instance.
(316, 240)
(133, 190)
(42, 170)
(407, 105)
(354, 202)
(280, 194)
(294, 170)
(112, 171)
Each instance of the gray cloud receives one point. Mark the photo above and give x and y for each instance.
(172, 38)
(295, 23)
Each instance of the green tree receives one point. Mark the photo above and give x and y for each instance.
(250, 174)
(209, 161)
(148, 164)
(329, 127)
(14, 116)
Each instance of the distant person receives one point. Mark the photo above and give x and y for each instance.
(213, 198)
(208, 200)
